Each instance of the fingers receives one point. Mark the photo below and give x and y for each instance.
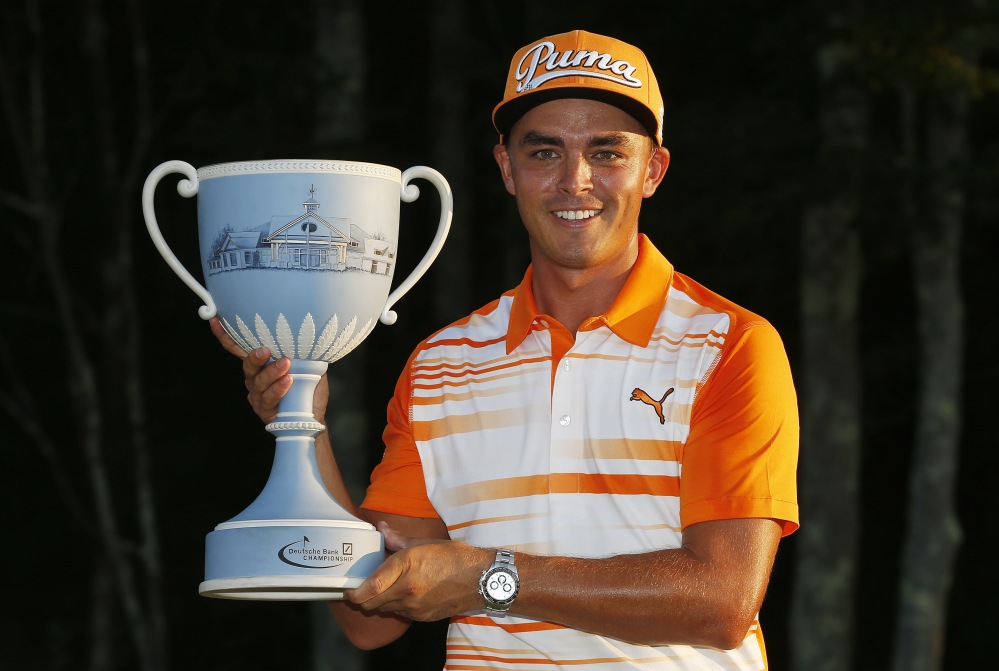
(255, 361)
(394, 541)
(266, 382)
(375, 593)
(428, 579)
(228, 344)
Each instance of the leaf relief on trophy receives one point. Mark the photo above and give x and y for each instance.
(330, 345)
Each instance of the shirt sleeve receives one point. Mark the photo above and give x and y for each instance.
(397, 483)
(740, 459)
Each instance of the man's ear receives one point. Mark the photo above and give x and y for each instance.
(506, 170)
(658, 163)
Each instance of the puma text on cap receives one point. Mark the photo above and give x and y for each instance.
(581, 65)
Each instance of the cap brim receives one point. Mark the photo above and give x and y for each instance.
(508, 113)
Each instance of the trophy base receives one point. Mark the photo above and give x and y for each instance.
(279, 588)
(289, 560)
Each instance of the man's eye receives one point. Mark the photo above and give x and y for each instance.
(605, 156)
(546, 154)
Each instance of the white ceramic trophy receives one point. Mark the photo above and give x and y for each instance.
(297, 255)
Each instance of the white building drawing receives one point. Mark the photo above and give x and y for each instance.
(306, 242)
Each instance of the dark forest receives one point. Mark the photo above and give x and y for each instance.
(834, 168)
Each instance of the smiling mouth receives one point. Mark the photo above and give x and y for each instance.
(576, 215)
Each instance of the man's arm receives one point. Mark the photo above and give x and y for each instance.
(266, 383)
(369, 629)
(706, 592)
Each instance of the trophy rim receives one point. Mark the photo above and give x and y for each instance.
(290, 166)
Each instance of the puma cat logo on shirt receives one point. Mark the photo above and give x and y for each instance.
(640, 395)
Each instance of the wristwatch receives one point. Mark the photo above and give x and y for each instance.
(500, 583)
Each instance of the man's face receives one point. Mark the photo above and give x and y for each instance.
(579, 170)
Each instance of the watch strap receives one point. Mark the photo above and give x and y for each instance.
(504, 558)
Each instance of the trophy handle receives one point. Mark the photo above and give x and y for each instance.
(187, 188)
(411, 192)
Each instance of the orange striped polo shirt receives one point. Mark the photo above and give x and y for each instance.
(674, 407)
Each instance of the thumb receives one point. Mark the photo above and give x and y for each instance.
(394, 541)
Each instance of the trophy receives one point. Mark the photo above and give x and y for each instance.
(297, 255)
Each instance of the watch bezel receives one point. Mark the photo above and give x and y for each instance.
(492, 603)
(514, 579)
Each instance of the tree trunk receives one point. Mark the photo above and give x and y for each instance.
(138, 572)
(829, 383)
(101, 364)
(102, 618)
(933, 532)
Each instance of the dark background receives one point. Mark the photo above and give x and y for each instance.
(236, 81)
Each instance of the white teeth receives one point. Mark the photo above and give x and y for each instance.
(574, 215)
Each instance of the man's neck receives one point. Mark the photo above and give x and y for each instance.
(573, 295)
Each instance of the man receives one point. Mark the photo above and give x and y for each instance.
(596, 468)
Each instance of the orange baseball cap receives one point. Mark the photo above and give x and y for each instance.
(581, 65)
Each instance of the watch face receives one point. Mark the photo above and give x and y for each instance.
(501, 585)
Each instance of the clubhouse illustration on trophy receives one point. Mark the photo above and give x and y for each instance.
(297, 256)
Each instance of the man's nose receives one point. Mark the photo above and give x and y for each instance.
(576, 175)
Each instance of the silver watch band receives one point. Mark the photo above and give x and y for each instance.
(503, 557)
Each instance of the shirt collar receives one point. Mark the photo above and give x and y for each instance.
(632, 316)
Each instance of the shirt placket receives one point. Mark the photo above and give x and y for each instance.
(566, 420)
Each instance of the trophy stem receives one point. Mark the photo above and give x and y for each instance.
(296, 406)
(295, 541)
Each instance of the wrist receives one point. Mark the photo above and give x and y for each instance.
(499, 584)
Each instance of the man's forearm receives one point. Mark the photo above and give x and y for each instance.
(706, 593)
(365, 630)
(660, 598)
(330, 474)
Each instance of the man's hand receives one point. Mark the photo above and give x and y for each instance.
(268, 381)
(425, 579)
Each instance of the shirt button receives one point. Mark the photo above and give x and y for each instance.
(564, 420)
(567, 364)
(543, 322)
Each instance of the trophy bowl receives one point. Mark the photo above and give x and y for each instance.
(297, 256)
